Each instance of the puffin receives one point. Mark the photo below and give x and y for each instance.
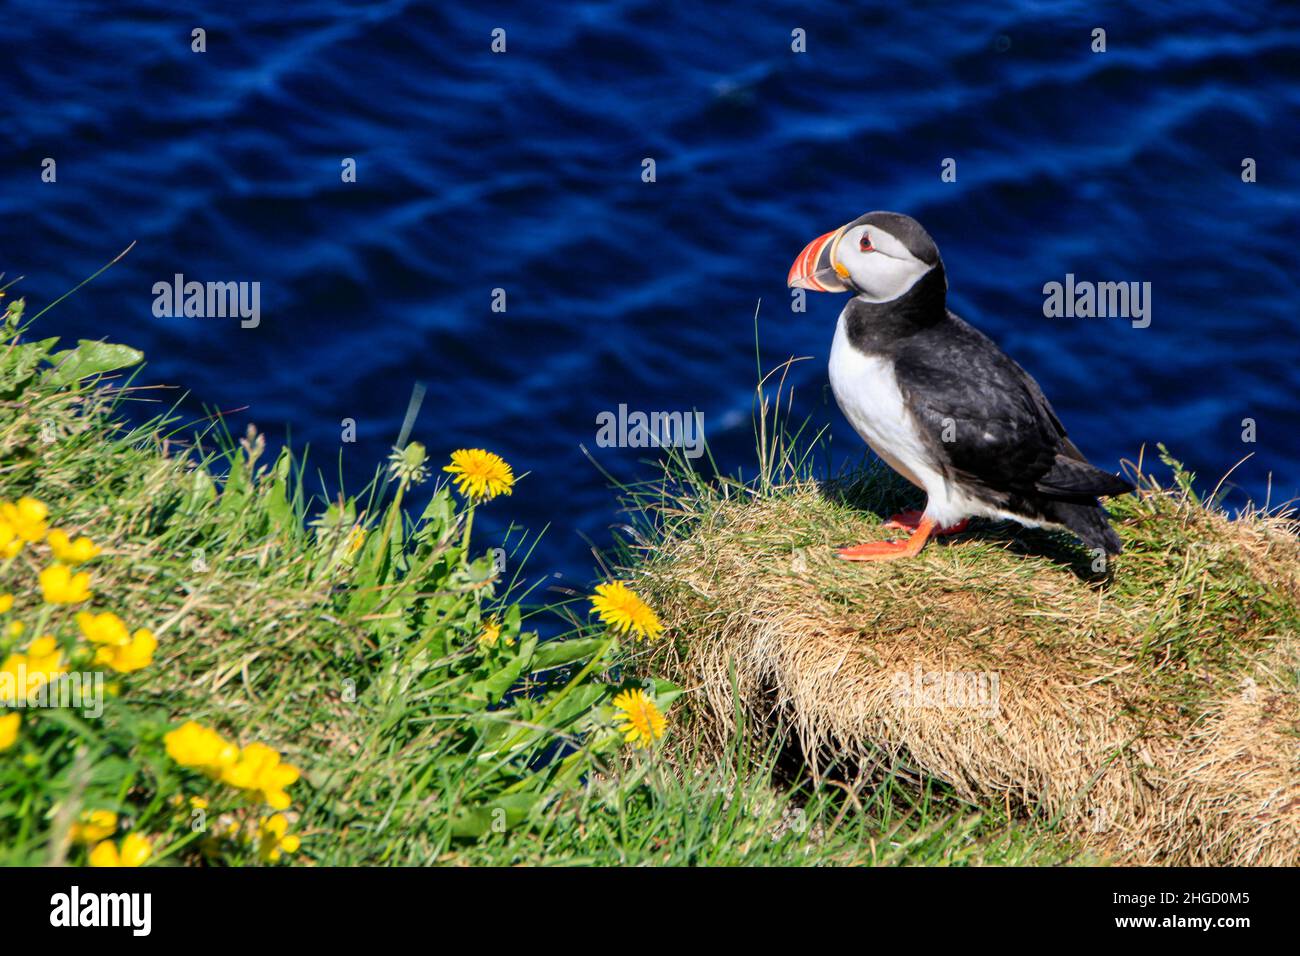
(939, 402)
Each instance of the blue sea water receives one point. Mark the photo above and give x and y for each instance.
(522, 171)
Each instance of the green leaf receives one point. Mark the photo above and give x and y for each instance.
(577, 704)
(505, 810)
(558, 653)
(202, 491)
(18, 364)
(90, 358)
(666, 692)
(496, 684)
(279, 507)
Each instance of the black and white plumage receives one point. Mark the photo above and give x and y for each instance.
(937, 400)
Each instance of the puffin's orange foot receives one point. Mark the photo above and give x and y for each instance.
(890, 550)
(876, 551)
(910, 520)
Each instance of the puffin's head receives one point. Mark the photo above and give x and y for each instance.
(879, 256)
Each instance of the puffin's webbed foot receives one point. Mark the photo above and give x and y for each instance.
(891, 550)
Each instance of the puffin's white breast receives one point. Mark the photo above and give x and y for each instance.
(867, 392)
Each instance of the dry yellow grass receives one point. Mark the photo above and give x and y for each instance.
(1151, 711)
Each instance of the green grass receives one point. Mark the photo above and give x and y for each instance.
(743, 813)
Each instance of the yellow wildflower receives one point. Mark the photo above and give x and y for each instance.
(643, 724)
(61, 586)
(480, 474)
(106, 628)
(6, 603)
(134, 851)
(72, 552)
(621, 608)
(134, 656)
(10, 543)
(274, 838)
(26, 518)
(9, 730)
(26, 673)
(45, 657)
(193, 745)
(355, 540)
(491, 634)
(260, 772)
(15, 629)
(94, 825)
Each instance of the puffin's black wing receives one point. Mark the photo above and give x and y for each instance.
(987, 421)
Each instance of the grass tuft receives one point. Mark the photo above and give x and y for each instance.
(1147, 708)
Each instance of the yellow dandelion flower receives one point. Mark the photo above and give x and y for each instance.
(134, 851)
(274, 838)
(202, 748)
(622, 609)
(72, 552)
(15, 629)
(480, 475)
(491, 634)
(26, 519)
(260, 771)
(94, 825)
(9, 730)
(6, 603)
(61, 586)
(132, 656)
(643, 724)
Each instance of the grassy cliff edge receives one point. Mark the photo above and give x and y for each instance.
(1147, 709)
(338, 682)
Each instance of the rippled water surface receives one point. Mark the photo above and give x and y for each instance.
(522, 171)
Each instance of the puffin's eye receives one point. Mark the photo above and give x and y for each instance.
(865, 243)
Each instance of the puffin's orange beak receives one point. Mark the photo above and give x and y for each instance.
(816, 268)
